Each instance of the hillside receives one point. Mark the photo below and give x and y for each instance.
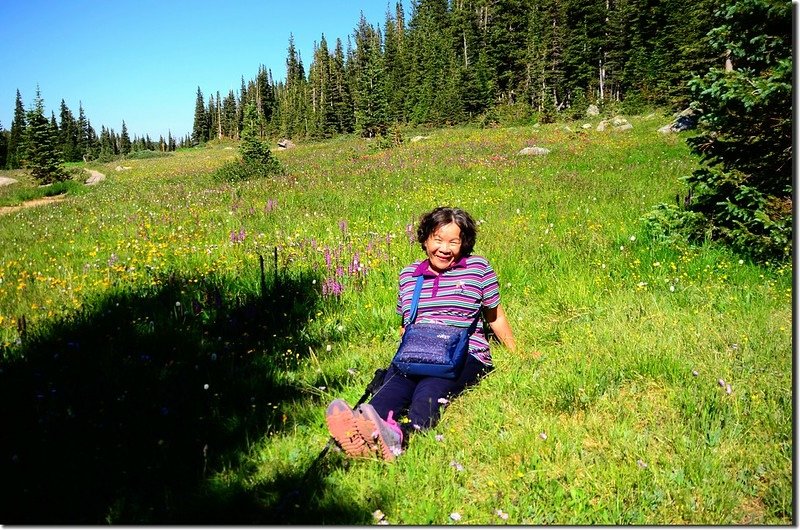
(170, 342)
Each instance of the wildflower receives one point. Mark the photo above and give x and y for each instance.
(443, 401)
(343, 226)
(694, 373)
(672, 288)
(328, 348)
(633, 238)
(456, 466)
(641, 463)
(205, 386)
(728, 389)
(352, 371)
(455, 516)
(721, 382)
(378, 515)
(501, 514)
(439, 437)
(543, 435)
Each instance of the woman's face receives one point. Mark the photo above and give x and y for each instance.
(443, 247)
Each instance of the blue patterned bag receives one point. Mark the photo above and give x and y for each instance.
(434, 350)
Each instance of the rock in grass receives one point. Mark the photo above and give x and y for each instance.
(534, 151)
(7, 181)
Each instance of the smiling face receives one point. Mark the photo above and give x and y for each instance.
(443, 247)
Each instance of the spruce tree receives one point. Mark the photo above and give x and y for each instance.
(3, 146)
(16, 138)
(341, 96)
(230, 124)
(200, 130)
(370, 98)
(124, 140)
(68, 134)
(744, 189)
(43, 157)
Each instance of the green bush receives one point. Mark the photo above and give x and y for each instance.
(239, 170)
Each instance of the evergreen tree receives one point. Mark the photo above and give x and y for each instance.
(3, 146)
(16, 139)
(293, 98)
(229, 123)
(506, 37)
(473, 78)
(744, 188)
(265, 99)
(82, 126)
(319, 82)
(93, 141)
(342, 118)
(69, 135)
(200, 130)
(394, 55)
(370, 95)
(124, 140)
(43, 157)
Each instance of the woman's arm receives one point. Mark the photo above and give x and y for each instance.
(496, 317)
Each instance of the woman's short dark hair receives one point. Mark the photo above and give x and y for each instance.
(438, 217)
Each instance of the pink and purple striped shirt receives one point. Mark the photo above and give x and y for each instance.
(455, 297)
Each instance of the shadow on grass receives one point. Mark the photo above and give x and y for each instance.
(123, 413)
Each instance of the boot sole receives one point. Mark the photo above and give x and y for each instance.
(342, 426)
(368, 425)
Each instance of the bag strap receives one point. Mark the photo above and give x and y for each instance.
(415, 299)
(415, 305)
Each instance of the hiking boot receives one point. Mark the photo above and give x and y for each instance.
(383, 438)
(341, 422)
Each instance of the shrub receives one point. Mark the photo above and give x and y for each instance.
(239, 170)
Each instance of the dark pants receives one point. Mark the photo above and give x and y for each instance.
(420, 395)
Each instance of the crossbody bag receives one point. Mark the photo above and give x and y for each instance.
(435, 350)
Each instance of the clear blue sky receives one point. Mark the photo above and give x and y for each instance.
(142, 61)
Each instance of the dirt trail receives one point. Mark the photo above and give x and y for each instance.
(28, 204)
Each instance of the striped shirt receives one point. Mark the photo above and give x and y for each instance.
(455, 297)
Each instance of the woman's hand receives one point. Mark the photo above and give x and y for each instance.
(496, 317)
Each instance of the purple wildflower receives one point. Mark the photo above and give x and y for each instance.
(410, 233)
(343, 227)
(331, 287)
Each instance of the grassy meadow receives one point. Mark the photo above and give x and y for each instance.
(169, 342)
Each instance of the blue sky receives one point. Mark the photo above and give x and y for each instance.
(142, 61)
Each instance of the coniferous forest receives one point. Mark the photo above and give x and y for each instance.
(459, 61)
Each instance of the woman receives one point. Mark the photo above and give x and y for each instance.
(456, 287)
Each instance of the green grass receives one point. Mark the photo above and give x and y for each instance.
(140, 291)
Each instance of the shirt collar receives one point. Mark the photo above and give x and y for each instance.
(424, 267)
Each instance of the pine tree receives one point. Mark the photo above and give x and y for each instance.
(370, 95)
(124, 140)
(16, 139)
(394, 55)
(319, 81)
(342, 118)
(200, 131)
(3, 146)
(43, 157)
(68, 134)
(229, 123)
(744, 188)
